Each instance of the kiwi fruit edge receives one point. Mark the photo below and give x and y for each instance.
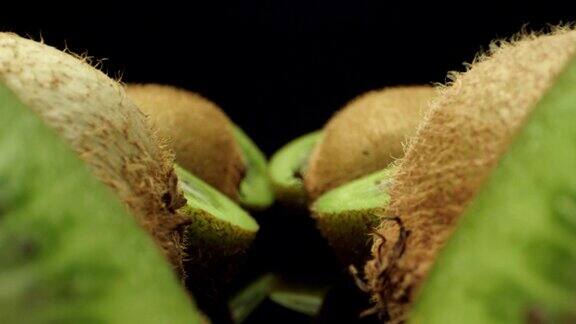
(365, 136)
(255, 192)
(287, 167)
(513, 257)
(71, 252)
(462, 140)
(348, 214)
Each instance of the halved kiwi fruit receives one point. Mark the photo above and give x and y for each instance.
(288, 166)
(71, 253)
(206, 142)
(215, 243)
(512, 257)
(221, 230)
(365, 136)
(347, 215)
(362, 140)
(209, 147)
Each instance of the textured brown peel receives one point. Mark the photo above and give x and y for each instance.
(365, 136)
(198, 132)
(460, 141)
(93, 114)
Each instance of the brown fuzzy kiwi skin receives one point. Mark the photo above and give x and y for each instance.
(93, 114)
(461, 140)
(197, 130)
(365, 136)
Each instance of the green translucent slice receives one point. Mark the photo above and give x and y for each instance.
(250, 297)
(305, 300)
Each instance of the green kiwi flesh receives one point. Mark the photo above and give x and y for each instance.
(347, 214)
(255, 190)
(513, 257)
(70, 251)
(287, 167)
(203, 199)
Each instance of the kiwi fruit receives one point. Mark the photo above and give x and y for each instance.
(287, 169)
(215, 243)
(209, 149)
(92, 113)
(71, 252)
(206, 142)
(347, 214)
(497, 147)
(365, 136)
(347, 166)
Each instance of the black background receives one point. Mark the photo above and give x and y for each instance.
(279, 69)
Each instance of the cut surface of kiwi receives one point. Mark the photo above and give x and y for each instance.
(70, 251)
(255, 190)
(347, 215)
(202, 197)
(366, 193)
(513, 257)
(287, 168)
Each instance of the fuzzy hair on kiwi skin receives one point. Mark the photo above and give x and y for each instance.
(93, 114)
(365, 136)
(461, 140)
(197, 130)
